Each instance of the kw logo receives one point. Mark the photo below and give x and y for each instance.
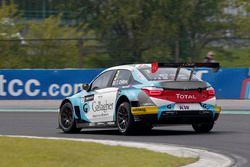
(184, 107)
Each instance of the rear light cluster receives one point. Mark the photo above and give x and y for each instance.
(153, 91)
(210, 92)
(180, 95)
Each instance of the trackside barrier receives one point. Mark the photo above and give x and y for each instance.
(229, 83)
(43, 84)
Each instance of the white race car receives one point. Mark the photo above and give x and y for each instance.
(139, 96)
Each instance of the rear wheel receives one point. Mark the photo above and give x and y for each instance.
(66, 119)
(124, 118)
(203, 127)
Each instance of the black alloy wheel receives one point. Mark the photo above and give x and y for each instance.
(124, 118)
(66, 119)
(203, 127)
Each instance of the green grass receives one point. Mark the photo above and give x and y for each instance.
(23, 152)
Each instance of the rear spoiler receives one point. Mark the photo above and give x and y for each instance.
(155, 66)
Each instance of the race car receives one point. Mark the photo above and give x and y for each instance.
(138, 97)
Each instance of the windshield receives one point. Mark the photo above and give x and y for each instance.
(167, 74)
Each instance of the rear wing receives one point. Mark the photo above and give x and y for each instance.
(155, 66)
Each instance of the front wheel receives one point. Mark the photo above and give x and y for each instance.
(124, 118)
(203, 127)
(66, 119)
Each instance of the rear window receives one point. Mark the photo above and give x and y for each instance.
(167, 74)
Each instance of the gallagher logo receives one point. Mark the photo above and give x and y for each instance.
(245, 90)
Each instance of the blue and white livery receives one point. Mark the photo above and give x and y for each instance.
(139, 96)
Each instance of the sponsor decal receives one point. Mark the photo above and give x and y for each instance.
(139, 109)
(102, 124)
(120, 82)
(191, 106)
(100, 115)
(100, 106)
(126, 86)
(144, 110)
(217, 109)
(88, 98)
(86, 108)
(183, 107)
(185, 96)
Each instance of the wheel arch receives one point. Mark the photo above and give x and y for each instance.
(73, 127)
(65, 101)
(121, 99)
(124, 98)
(74, 107)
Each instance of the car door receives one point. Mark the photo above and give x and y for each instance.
(99, 103)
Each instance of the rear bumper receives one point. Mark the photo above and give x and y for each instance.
(150, 115)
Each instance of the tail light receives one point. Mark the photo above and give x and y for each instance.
(180, 96)
(153, 91)
(210, 92)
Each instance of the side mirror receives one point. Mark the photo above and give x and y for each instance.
(85, 87)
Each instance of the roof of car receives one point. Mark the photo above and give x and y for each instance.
(128, 67)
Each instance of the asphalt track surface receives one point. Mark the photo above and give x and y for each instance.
(230, 136)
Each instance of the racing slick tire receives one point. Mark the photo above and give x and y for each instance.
(66, 119)
(203, 127)
(124, 119)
